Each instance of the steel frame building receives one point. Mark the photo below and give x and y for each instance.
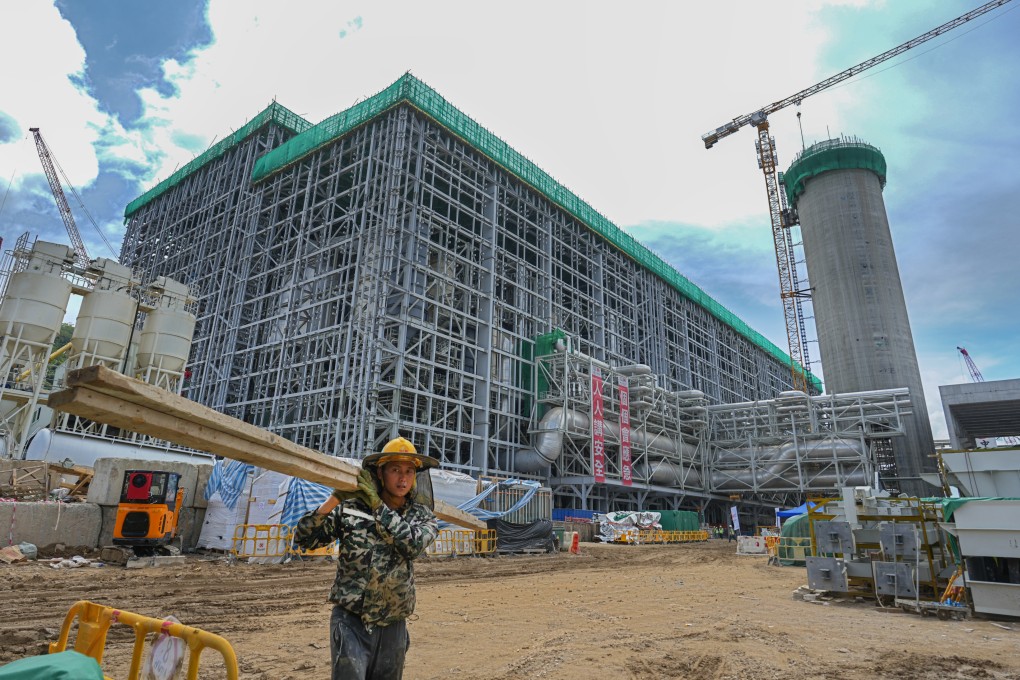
(391, 269)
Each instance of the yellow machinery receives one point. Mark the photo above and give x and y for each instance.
(149, 510)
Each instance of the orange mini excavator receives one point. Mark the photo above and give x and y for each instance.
(149, 509)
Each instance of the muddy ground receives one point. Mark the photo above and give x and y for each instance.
(614, 611)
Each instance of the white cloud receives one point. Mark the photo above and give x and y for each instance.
(611, 101)
(43, 87)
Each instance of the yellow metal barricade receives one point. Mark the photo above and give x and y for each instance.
(452, 542)
(793, 548)
(273, 540)
(692, 536)
(261, 540)
(485, 541)
(659, 536)
(94, 621)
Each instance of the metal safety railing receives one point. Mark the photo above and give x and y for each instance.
(277, 540)
(452, 542)
(273, 540)
(660, 536)
(94, 621)
(793, 548)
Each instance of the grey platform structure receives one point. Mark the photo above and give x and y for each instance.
(399, 269)
(860, 314)
(983, 410)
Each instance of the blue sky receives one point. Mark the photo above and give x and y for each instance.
(611, 102)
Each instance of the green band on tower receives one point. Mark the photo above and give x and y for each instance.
(832, 154)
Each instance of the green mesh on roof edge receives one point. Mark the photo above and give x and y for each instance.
(275, 113)
(429, 102)
(832, 154)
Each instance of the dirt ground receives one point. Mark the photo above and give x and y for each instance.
(614, 611)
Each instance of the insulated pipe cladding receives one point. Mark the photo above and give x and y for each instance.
(549, 440)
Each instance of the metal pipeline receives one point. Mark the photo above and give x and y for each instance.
(776, 469)
(548, 442)
(667, 472)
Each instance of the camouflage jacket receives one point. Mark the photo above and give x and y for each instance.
(374, 575)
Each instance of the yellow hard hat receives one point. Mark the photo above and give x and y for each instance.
(399, 445)
(403, 450)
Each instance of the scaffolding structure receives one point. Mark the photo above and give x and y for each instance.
(392, 270)
(795, 443)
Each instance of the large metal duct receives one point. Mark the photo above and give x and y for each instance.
(776, 465)
(860, 314)
(548, 443)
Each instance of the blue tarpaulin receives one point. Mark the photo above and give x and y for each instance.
(793, 512)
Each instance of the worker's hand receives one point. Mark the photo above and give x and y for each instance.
(367, 489)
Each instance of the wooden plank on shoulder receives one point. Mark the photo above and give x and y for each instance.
(107, 381)
(196, 431)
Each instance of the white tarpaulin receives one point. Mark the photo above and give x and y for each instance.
(615, 525)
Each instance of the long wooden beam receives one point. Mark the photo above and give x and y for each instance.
(105, 396)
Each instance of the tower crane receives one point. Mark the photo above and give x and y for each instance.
(81, 255)
(975, 376)
(782, 218)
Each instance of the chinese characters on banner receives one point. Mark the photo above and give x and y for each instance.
(625, 473)
(598, 439)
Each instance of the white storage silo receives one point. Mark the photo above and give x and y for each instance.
(30, 317)
(165, 340)
(103, 328)
(36, 297)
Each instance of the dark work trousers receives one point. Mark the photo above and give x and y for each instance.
(358, 654)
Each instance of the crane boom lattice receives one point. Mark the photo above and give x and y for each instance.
(81, 255)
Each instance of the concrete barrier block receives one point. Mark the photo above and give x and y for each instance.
(109, 478)
(199, 501)
(48, 524)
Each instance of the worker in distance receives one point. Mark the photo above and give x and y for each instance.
(382, 527)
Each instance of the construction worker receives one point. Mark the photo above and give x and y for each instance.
(382, 527)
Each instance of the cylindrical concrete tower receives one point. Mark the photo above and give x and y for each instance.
(860, 314)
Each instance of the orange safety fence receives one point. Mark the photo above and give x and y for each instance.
(94, 621)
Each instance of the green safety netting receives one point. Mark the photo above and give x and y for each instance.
(420, 96)
(274, 113)
(832, 154)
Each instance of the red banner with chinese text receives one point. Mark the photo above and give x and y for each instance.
(625, 472)
(598, 438)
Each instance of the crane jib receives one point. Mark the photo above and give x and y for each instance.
(710, 138)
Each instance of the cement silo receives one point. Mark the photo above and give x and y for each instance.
(165, 340)
(860, 314)
(30, 316)
(105, 321)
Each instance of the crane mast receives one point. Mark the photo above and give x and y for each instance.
(789, 290)
(81, 255)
